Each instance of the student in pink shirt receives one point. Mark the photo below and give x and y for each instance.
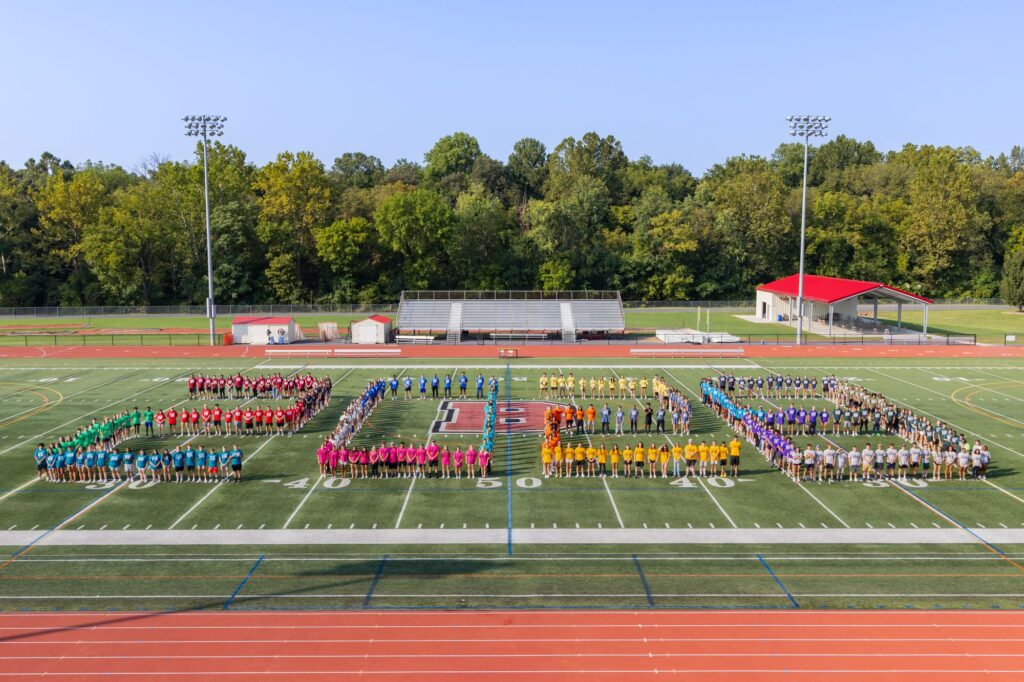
(421, 461)
(364, 463)
(484, 459)
(457, 460)
(393, 461)
(432, 451)
(446, 460)
(470, 462)
(332, 459)
(321, 457)
(374, 459)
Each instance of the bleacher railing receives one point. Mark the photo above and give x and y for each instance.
(510, 295)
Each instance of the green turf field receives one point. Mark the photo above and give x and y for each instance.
(285, 538)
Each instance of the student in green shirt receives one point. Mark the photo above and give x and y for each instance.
(147, 417)
(136, 421)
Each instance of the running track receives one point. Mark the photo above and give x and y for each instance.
(414, 646)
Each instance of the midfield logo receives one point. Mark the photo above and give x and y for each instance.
(467, 416)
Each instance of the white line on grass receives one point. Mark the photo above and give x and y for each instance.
(608, 489)
(984, 388)
(304, 498)
(405, 503)
(1002, 490)
(219, 484)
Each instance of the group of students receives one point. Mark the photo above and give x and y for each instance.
(100, 464)
(931, 449)
(560, 385)
(441, 389)
(241, 387)
(243, 420)
(714, 459)
(402, 460)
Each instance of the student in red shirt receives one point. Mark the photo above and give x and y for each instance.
(207, 414)
(160, 418)
(217, 415)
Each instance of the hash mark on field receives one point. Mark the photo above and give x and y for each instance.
(306, 527)
(1004, 525)
(239, 527)
(127, 526)
(442, 525)
(711, 524)
(667, 526)
(487, 525)
(779, 525)
(80, 527)
(194, 526)
(868, 524)
(938, 526)
(103, 527)
(689, 525)
(374, 526)
(553, 525)
(329, 526)
(34, 527)
(980, 526)
(351, 526)
(645, 525)
(757, 525)
(824, 525)
(419, 525)
(891, 525)
(598, 525)
(803, 526)
(913, 524)
(262, 526)
(215, 527)
(577, 524)
(13, 527)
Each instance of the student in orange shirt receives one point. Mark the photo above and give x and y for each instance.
(591, 418)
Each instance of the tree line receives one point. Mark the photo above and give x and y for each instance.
(940, 221)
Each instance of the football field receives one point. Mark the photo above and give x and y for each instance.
(287, 538)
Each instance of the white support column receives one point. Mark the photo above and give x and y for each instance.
(925, 306)
(876, 309)
(899, 314)
(830, 313)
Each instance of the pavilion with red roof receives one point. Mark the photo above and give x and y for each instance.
(831, 300)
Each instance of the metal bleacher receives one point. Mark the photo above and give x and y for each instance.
(510, 314)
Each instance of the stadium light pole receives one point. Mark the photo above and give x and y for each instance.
(205, 126)
(805, 127)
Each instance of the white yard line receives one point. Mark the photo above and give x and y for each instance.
(984, 388)
(304, 498)
(1002, 490)
(219, 484)
(611, 499)
(405, 503)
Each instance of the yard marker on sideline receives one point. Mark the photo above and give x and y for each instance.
(643, 581)
(789, 595)
(374, 581)
(244, 580)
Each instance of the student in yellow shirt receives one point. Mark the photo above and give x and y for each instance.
(703, 451)
(591, 460)
(622, 387)
(677, 456)
(570, 384)
(593, 387)
(723, 458)
(713, 458)
(734, 457)
(578, 455)
(643, 387)
(543, 385)
(663, 456)
(615, 455)
(583, 388)
(627, 462)
(690, 452)
(600, 387)
(652, 462)
(602, 461)
(632, 388)
(558, 459)
(545, 459)
(639, 459)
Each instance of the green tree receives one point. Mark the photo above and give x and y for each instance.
(294, 199)
(356, 169)
(592, 156)
(351, 253)
(452, 154)
(527, 168)
(1012, 286)
(416, 226)
(480, 241)
(239, 265)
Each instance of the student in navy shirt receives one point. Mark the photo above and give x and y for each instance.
(463, 382)
(479, 386)
(434, 383)
(447, 385)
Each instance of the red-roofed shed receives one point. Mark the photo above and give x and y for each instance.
(373, 329)
(831, 299)
(264, 330)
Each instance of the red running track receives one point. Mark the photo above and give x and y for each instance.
(525, 352)
(431, 646)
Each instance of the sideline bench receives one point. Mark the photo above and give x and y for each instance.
(514, 336)
(685, 352)
(366, 352)
(414, 338)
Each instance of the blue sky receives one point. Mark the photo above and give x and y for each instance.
(686, 82)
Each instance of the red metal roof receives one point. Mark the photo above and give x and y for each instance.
(380, 318)
(832, 289)
(261, 320)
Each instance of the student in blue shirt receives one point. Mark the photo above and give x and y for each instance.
(434, 383)
(52, 470)
(89, 472)
(201, 463)
(140, 465)
(423, 387)
(235, 460)
(165, 465)
(40, 457)
(407, 384)
(114, 462)
(394, 387)
(479, 386)
(463, 382)
(190, 463)
(178, 459)
(101, 465)
(447, 385)
(224, 458)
